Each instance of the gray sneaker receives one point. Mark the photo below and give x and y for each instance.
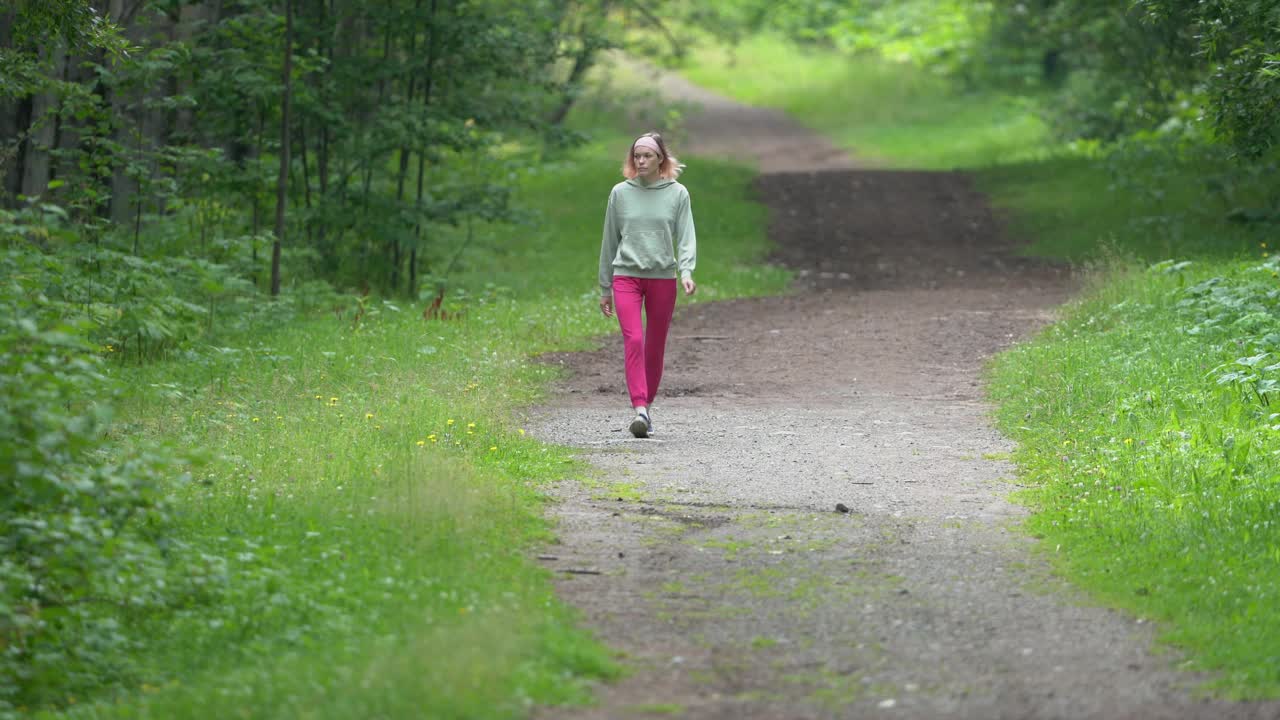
(640, 426)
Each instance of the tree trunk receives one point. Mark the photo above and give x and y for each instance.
(123, 189)
(405, 151)
(11, 123)
(282, 182)
(581, 64)
(14, 120)
(44, 130)
(427, 86)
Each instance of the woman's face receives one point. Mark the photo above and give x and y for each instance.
(647, 162)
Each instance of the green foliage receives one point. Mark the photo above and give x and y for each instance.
(1147, 427)
(86, 541)
(74, 22)
(1115, 69)
(1163, 197)
(1135, 67)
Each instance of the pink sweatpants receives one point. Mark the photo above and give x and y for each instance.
(643, 344)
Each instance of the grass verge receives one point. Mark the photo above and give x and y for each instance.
(883, 114)
(1143, 416)
(372, 500)
(1144, 422)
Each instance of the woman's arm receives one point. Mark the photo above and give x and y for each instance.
(608, 249)
(686, 244)
(609, 240)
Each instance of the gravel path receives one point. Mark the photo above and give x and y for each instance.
(713, 555)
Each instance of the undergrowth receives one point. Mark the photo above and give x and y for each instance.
(1147, 421)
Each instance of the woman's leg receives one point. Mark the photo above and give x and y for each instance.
(628, 296)
(659, 305)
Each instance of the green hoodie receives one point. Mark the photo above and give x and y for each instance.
(640, 225)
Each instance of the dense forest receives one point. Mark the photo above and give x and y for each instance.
(175, 171)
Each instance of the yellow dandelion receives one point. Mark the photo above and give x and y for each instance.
(432, 437)
(333, 401)
(255, 419)
(522, 432)
(422, 443)
(368, 416)
(492, 448)
(471, 425)
(319, 397)
(449, 421)
(1128, 441)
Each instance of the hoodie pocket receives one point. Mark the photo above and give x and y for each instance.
(644, 250)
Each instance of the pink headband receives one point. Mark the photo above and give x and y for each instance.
(648, 142)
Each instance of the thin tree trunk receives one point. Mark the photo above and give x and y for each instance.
(257, 212)
(427, 86)
(282, 182)
(122, 186)
(404, 155)
(12, 123)
(44, 128)
(322, 154)
(306, 180)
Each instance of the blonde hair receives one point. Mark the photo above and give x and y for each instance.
(670, 167)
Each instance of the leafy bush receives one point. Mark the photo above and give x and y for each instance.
(85, 542)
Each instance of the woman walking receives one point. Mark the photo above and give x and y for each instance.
(648, 242)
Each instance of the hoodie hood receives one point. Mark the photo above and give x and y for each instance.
(655, 185)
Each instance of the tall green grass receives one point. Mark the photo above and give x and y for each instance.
(373, 497)
(1148, 424)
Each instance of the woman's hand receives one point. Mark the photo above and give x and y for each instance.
(606, 305)
(690, 287)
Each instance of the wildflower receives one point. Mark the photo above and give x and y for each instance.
(319, 397)
(432, 437)
(449, 421)
(521, 432)
(422, 443)
(255, 419)
(368, 416)
(493, 448)
(333, 401)
(1128, 441)
(470, 425)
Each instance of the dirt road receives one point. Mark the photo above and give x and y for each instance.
(725, 573)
